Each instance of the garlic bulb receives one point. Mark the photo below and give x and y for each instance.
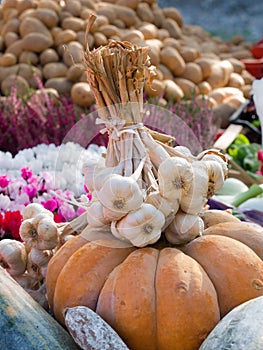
(141, 227)
(37, 263)
(120, 195)
(39, 296)
(164, 206)
(95, 215)
(33, 209)
(193, 201)
(216, 177)
(175, 177)
(184, 228)
(40, 232)
(13, 256)
(96, 174)
(215, 156)
(26, 281)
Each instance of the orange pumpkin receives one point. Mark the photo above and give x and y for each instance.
(156, 298)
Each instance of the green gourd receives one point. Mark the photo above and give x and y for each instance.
(24, 324)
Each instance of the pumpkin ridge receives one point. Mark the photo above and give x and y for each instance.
(156, 304)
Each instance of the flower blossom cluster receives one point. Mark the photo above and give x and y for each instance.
(49, 177)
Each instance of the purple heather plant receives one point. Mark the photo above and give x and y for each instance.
(27, 121)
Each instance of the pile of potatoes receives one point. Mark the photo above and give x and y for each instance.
(45, 39)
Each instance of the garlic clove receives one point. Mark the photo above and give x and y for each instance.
(33, 209)
(13, 256)
(40, 232)
(194, 200)
(142, 226)
(120, 194)
(216, 177)
(184, 228)
(95, 216)
(37, 263)
(175, 177)
(26, 281)
(169, 209)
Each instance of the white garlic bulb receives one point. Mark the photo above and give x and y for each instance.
(13, 256)
(141, 227)
(184, 228)
(40, 232)
(175, 176)
(119, 195)
(193, 201)
(169, 210)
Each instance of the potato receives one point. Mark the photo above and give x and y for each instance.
(87, 3)
(109, 30)
(189, 54)
(158, 16)
(74, 7)
(8, 59)
(33, 25)
(173, 60)
(248, 77)
(149, 31)
(28, 57)
(48, 56)
(144, 12)
(23, 5)
(75, 71)
(206, 64)
(11, 26)
(172, 27)
(16, 48)
(49, 4)
(10, 38)
(167, 74)
(172, 12)
(36, 42)
(82, 95)
(236, 80)
(62, 85)
(172, 91)
(238, 66)
(128, 3)
(73, 53)
(127, 15)
(204, 88)
(247, 91)
(64, 37)
(14, 80)
(99, 39)
(156, 89)
(172, 42)
(47, 16)
(204, 101)
(73, 23)
(189, 88)
(54, 70)
(193, 72)
(236, 100)
(132, 35)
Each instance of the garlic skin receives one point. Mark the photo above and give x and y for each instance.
(96, 174)
(95, 216)
(26, 281)
(33, 209)
(218, 157)
(141, 227)
(194, 200)
(216, 177)
(169, 210)
(40, 232)
(175, 177)
(184, 228)
(13, 256)
(37, 263)
(120, 195)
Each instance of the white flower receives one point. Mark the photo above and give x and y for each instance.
(4, 202)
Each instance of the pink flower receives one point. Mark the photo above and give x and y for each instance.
(26, 173)
(67, 212)
(50, 204)
(4, 181)
(80, 211)
(31, 191)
